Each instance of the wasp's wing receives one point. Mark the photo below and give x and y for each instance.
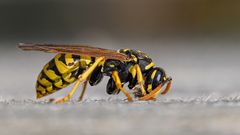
(82, 50)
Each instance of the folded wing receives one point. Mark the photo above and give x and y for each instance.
(82, 50)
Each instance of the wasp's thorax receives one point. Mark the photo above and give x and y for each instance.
(153, 76)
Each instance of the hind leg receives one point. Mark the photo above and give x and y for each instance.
(84, 86)
(82, 77)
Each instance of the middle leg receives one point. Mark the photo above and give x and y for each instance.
(118, 83)
(84, 86)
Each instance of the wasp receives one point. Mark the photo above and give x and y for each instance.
(83, 64)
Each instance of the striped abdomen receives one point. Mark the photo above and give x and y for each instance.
(61, 71)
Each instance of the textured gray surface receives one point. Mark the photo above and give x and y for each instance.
(202, 115)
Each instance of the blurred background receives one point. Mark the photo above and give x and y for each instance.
(195, 41)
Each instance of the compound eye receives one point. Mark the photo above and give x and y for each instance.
(158, 77)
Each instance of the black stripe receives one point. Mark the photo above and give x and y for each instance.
(56, 71)
(64, 82)
(47, 92)
(52, 66)
(76, 57)
(77, 72)
(80, 71)
(39, 84)
(48, 79)
(62, 58)
(53, 81)
(92, 60)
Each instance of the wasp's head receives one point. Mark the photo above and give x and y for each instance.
(155, 80)
(156, 77)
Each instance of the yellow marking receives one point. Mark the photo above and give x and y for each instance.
(50, 73)
(39, 95)
(101, 63)
(134, 58)
(153, 74)
(43, 81)
(67, 78)
(60, 65)
(43, 92)
(40, 88)
(149, 66)
(125, 50)
(83, 64)
(69, 60)
(149, 89)
(60, 84)
(133, 71)
(85, 61)
(81, 78)
(50, 88)
(112, 65)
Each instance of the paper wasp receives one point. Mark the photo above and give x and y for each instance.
(80, 63)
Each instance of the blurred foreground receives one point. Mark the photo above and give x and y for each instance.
(184, 116)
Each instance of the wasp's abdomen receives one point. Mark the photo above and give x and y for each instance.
(61, 71)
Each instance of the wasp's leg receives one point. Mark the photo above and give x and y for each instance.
(70, 93)
(156, 91)
(118, 83)
(84, 86)
(82, 77)
(140, 78)
(94, 79)
(165, 90)
(152, 94)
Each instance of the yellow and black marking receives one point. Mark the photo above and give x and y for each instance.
(83, 77)
(150, 81)
(61, 71)
(82, 63)
(154, 78)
